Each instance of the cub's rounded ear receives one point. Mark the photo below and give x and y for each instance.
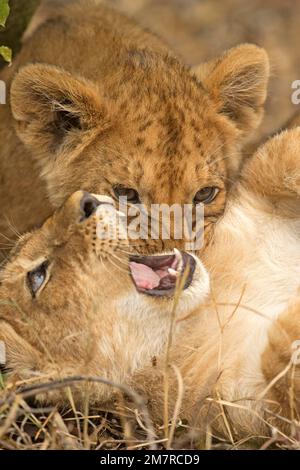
(53, 108)
(237, 81)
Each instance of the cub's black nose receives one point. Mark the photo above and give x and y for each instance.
(88, 205)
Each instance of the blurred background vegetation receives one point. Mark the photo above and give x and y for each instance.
(20, 14)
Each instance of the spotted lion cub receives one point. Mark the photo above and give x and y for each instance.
(98, 103)
(75, 300)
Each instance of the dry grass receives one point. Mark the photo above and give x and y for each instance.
(126, 422)
(25, 426)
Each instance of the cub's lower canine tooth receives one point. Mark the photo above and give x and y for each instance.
(172, 272)
(179, 259)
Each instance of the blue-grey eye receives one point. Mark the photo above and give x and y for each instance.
(37, 277)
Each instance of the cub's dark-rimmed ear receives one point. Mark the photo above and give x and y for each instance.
(237, 81)
(52, 108)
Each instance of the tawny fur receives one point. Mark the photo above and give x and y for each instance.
(233, 349)
(96, 101)
(85, 315)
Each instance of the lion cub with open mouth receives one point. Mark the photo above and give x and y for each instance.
(75, 300)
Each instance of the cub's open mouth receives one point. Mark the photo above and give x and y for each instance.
(157, 275)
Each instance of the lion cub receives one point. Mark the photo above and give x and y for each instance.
(239, 359)
(100, 104)
(76, 301)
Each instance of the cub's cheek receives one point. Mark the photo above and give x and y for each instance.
(202, 280)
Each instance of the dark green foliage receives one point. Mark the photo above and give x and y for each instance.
(20, 13)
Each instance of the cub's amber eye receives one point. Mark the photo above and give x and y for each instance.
(131, 194)
(37, 277)
(206, 195)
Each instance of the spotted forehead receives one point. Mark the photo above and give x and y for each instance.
(182, 126)
(165, 149)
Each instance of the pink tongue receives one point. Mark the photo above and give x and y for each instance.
(144, 277)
